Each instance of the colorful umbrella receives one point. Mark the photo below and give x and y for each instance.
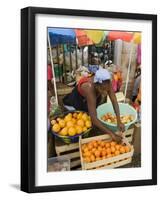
(82, 38)
(115, 35)
(95, 35)
(61, 36)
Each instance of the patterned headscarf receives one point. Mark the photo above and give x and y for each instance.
(102, 75)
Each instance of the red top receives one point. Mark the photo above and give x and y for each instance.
(50, 74)
(81, 81)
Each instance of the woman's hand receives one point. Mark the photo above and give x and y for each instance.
(116, 137)
(121, 127)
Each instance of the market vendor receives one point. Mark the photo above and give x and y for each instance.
(87, 94)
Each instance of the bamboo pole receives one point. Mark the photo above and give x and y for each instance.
(70, 59)
(76, 56)
(64, 67)
(128, 70)
(52, 64)
(82, 56)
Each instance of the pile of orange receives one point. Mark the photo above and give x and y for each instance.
(99, 150)
(72, 124)
(110, 118)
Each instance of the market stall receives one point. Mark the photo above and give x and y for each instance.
(77, 143)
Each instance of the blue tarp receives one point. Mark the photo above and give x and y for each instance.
(61, 36)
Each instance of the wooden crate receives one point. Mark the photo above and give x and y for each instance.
(72, 151)
(108, 163)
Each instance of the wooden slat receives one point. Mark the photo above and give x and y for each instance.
(137, 125)
(80, 150)
(73, 155)
(65, 148)
(118, 164)
(129, 132)
(75, 163)
(100, 137)
(129, 139)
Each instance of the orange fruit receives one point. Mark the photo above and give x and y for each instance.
(58, 119)
(103, 157)
(84, 155)
(103, 153)
(89, 118)
(95, 144)
(102, 144)
(99, 148)
(85, 129)
(69, 114)
(62, 123)
(99, 142)
(83, 146)
(117, 146)
(97, 153)
(68, 118)
(64, 131)
(108, 150)
(93, 150)
(87, 159)
(80, 122)
(85, 116)
(79, 115)
(87, 153)
(69, 124)
(107, 145)
(122, 149)
(112, 149)
(88, 124)
(127, 149)
(92, 158)
(85, 149)
(75, 115)
(113, 143)
(89, 146)
(73, 120)
(53, 122)
(79, 129)
(117, 153)
(56, 127)
(72, 131)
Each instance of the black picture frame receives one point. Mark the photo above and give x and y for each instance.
(28, 98)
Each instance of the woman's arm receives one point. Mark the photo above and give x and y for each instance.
(91, 102)
(116, 108)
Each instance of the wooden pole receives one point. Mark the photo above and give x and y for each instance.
(128, 70)
(57, 53)
(64, 67)
(82, 56)
(52, 64)
(76, 56)
(70, 59)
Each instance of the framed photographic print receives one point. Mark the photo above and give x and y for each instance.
(88, 99)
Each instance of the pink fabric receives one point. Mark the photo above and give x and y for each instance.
(139, 55)
(50, 74)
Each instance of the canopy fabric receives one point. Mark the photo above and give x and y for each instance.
(82, 37)
(61, 36)
(95, 35)
(137, 38)
(115, 35)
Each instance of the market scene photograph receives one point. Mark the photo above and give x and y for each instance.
(93, 99)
